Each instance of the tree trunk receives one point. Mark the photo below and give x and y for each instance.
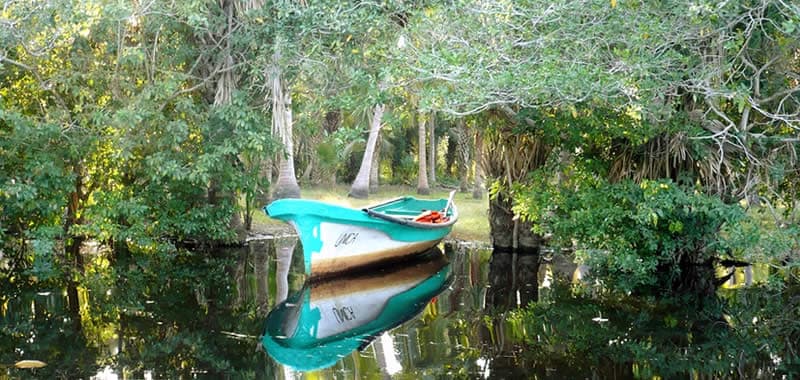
(240, 278)
(268, 173)
(450, 154)
(385, 354)
(527, 277)
(513, 279)
(697, 281)
(236, 223)
(215, 198)
(330, 125)
(73, 244)
(374, 172)
(478, 186)
(501, 223)
(432, 151)
(306, 176)
(286, 186)
(360, 187)
(284, 249)
(463, 156)
(259, 251)
(513, 157)
(332, 121)
(507, 232)
(501, 289)
(422, 173)
(223, 95)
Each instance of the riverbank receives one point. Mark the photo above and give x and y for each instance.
(473, 223)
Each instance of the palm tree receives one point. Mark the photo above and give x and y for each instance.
(284, 249)
(286, 186)
(374, 172)
(224, 88)
(432, 151)
(422, 184)
(259, 250)
(461, 136)
(478, 190)
(513, 157)
(360, 187)
(672, 155)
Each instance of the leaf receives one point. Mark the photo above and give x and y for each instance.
(788, 27)
(613, 3)
(30, 364)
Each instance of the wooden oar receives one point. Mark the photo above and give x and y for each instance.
(449, 203)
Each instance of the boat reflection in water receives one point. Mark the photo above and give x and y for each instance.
(328, 319)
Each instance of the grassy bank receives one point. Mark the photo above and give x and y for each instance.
(473, 223)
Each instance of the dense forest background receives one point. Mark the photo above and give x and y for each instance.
(657, 141)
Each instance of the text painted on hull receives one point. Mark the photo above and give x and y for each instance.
(346, 238)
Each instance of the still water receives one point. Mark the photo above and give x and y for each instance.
(453, 313)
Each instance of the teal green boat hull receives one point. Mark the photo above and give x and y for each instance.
(337, 239)
(325, 321)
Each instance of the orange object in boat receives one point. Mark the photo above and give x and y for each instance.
(431, 217)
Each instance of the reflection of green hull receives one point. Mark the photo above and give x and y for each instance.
(337, 239)
(327, 320)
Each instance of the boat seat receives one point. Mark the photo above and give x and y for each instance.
(407, 213)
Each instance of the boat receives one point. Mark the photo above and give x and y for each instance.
(328, 319)
(337, 238)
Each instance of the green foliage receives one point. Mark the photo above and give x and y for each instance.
(696, 90)
(522, 53)
(639, 236)
(34, 184)
(107, 132)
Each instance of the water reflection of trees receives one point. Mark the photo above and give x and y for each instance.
(643, 338)
(580, 330)
(196, 315)
(37, 325)
(176, 315)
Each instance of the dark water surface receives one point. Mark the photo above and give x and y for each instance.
(451, 314)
